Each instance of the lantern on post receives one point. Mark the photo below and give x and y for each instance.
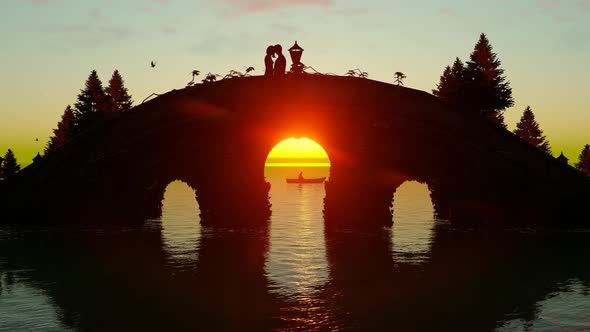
(295, 52)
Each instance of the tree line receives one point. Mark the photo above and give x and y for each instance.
(92, 104)
(479, 87)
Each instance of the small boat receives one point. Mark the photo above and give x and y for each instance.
(303, 180)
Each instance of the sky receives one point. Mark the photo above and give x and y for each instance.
(49, 48)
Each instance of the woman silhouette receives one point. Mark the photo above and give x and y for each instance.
(268, 64)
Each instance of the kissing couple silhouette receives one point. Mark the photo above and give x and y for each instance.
(278, 67)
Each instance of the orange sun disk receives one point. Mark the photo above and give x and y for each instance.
(297, 152)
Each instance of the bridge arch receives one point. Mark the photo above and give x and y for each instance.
(179, 224)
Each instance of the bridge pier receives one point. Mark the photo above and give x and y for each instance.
(243, 203)
(231, 189)
(357, 199)
(229, 183)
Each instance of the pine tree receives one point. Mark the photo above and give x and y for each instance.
(487, 89)
(450, 89)
(442, 87)
(9, 165)
(583, 163)
(91, 103)
(118, 94)
(64, 131)
(528, 129)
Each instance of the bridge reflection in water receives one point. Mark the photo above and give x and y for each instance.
(140, 278)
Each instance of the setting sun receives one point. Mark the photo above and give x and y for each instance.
(298, 152)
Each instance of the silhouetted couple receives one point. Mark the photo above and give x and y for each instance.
(279, 66)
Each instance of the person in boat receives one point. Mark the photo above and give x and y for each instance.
(301, 175)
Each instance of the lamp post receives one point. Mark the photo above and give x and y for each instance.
(295, 52)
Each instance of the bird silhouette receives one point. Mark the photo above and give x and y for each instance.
(153, 64)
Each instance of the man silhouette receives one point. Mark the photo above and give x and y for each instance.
(281, 62)
(270, 50)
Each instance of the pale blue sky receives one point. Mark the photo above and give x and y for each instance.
(50, 46)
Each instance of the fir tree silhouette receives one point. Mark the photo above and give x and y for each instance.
(528, 129)
(9, 165)
(91, 103)
(583, 163)
(487, 89)
(64, 131)
(451, 87)
(119, 96)
(479, 86)
(399, 78)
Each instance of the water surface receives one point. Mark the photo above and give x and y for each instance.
(171, 273)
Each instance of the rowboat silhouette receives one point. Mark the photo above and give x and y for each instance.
(303, 180)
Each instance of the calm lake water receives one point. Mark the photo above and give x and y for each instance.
(174, 274)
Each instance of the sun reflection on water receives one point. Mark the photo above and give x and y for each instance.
(297, 262)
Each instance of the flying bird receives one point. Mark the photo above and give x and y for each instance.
(153, 64)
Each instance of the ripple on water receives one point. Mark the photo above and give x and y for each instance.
(565, 310)
(296, 266)
(23, 308)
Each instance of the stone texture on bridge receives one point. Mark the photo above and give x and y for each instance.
(216, 137)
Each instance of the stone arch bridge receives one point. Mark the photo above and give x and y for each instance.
(216, 137)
